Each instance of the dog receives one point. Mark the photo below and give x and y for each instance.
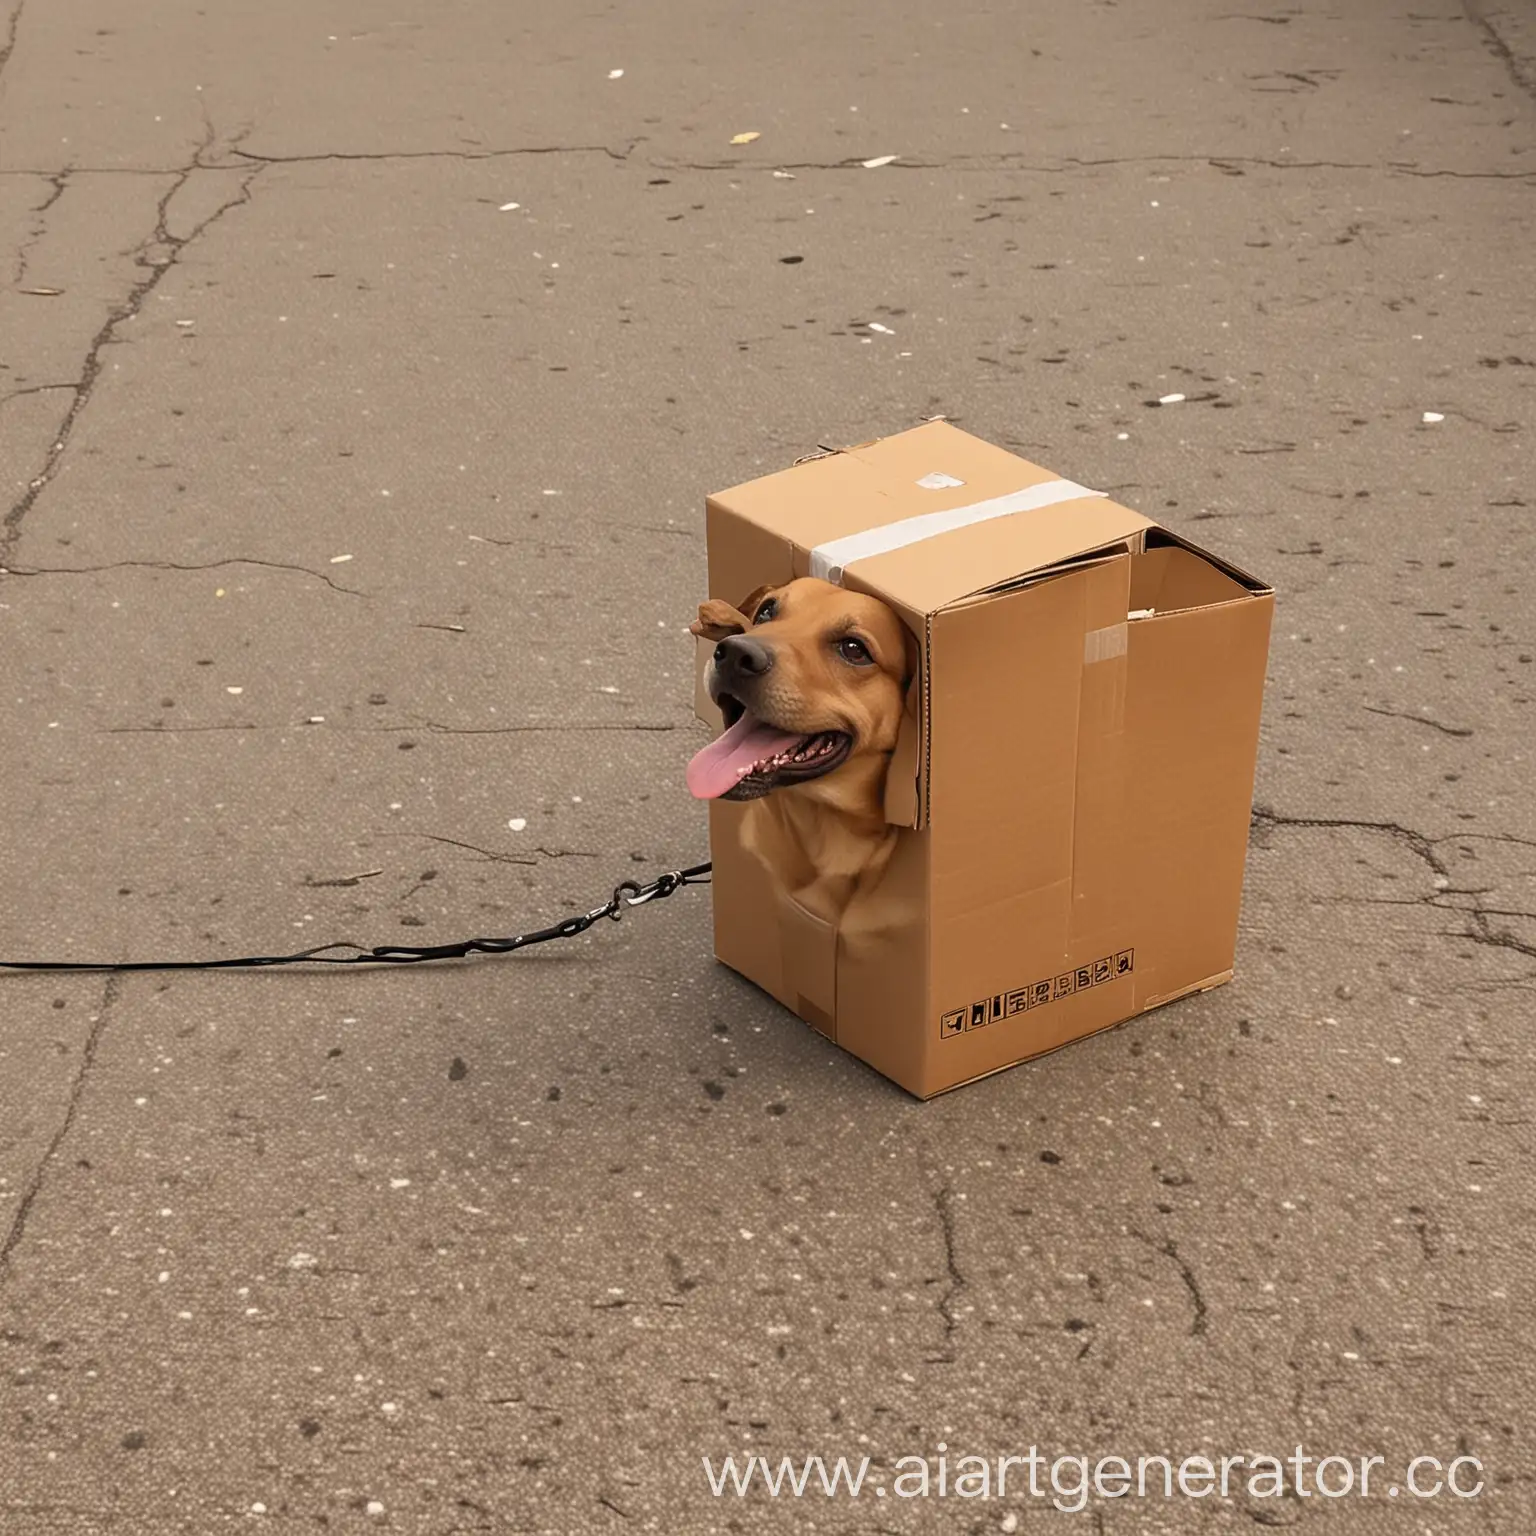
(811, 682)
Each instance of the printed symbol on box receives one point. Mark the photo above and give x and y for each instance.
(1125, 962)
(1065, 985)
(1084, 977)
(1040, 994)
(1103, 970)
(1018, 1001)
(951, 1023)
(979, 1016)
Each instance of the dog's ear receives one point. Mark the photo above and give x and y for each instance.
(718, 619)
(751, 602)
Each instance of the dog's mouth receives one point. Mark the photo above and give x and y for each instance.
(753, 758)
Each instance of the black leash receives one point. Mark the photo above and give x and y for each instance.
(628, 893)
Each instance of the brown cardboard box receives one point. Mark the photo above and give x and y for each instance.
(1074, 775)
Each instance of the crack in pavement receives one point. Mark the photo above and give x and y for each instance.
(18, 1226)
(1493, 40)
(154, 257)
(374, 730)
(57, 181)
(681, 533)
(9, 45)
(1224, 162)
(943, 1204)
(1227, 164)
(34, 389)
(1413, 170)
(1398, 714)
(1170, 1250)
(1482, 930)
(174, 730)
(542, 545)
(172, 565)
(493, 855)
(517, 730)
(43, 173)
(443, 154)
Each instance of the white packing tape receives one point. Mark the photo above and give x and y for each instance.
(1105, 644)
(830, 560)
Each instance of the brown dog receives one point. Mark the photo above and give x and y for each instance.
(811, 682)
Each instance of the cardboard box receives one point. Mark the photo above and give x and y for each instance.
(1074, 776)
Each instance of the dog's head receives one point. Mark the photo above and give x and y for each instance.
(809, 679)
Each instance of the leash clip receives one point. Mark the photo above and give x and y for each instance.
(638, 895)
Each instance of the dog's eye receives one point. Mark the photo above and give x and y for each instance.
(766, 610)
(854, 652)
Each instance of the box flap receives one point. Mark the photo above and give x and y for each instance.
(957, 515)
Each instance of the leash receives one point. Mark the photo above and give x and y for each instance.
(626, 894)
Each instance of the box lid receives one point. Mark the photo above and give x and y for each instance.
(930, 516)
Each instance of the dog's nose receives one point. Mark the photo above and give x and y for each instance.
(742, 656)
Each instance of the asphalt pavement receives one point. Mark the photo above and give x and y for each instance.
(363, 370)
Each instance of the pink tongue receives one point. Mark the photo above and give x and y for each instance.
(726, 761)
